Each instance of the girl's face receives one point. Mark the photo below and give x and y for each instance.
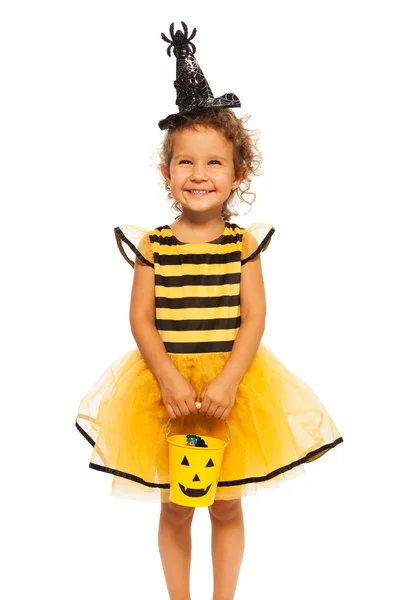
(202, 159)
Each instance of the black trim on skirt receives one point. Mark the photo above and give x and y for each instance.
(307, 458)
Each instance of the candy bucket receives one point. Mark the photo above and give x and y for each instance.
(194, 470)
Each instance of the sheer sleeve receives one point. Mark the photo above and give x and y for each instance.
(134, 242)
(256, 238)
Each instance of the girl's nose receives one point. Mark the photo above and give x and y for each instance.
(199, 172)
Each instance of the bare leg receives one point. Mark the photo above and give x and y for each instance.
(227, 546)
(175, 545)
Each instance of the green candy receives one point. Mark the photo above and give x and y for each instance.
(196, 440)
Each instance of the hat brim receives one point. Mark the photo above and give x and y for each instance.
(225, 101)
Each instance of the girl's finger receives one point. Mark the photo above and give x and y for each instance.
(184, 409)
(191, 406)
(170, 412)
(219, 412)
(211, 411)
(177, 410)
(204, 407)
(225, 414)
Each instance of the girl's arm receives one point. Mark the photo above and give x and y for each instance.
(142, 316)
(177, 393)
(253, 310)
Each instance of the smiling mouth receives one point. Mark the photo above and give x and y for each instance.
(199, 193)
(193, 493)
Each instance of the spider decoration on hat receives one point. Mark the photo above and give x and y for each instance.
(180, 41)
(192, 89)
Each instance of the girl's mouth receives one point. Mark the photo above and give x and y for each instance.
(199, 193)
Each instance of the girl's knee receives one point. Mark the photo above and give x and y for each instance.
(176, 513)
(225, 510)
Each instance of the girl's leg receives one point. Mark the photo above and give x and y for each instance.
(227, 546)
(175, 545)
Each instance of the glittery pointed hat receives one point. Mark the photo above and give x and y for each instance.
(192, 89)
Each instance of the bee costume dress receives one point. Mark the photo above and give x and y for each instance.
(277, 423)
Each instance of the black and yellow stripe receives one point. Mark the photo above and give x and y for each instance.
(197, 290)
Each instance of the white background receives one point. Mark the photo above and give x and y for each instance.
(84, 85)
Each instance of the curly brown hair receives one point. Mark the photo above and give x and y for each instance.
(246, 156)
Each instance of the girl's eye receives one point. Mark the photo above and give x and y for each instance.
(185, 161)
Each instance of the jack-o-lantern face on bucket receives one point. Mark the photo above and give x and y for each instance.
(197, 492)
(194, 471)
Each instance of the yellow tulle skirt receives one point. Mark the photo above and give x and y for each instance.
(277, 425)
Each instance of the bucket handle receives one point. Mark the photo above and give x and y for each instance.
(167, 428)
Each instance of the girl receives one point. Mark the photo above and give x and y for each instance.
(197, 314)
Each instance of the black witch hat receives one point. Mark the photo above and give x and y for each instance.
(192, 89)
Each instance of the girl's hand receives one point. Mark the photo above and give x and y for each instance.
(178, 395)
(218, 397)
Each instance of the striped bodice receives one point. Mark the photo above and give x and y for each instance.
(197, 290)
